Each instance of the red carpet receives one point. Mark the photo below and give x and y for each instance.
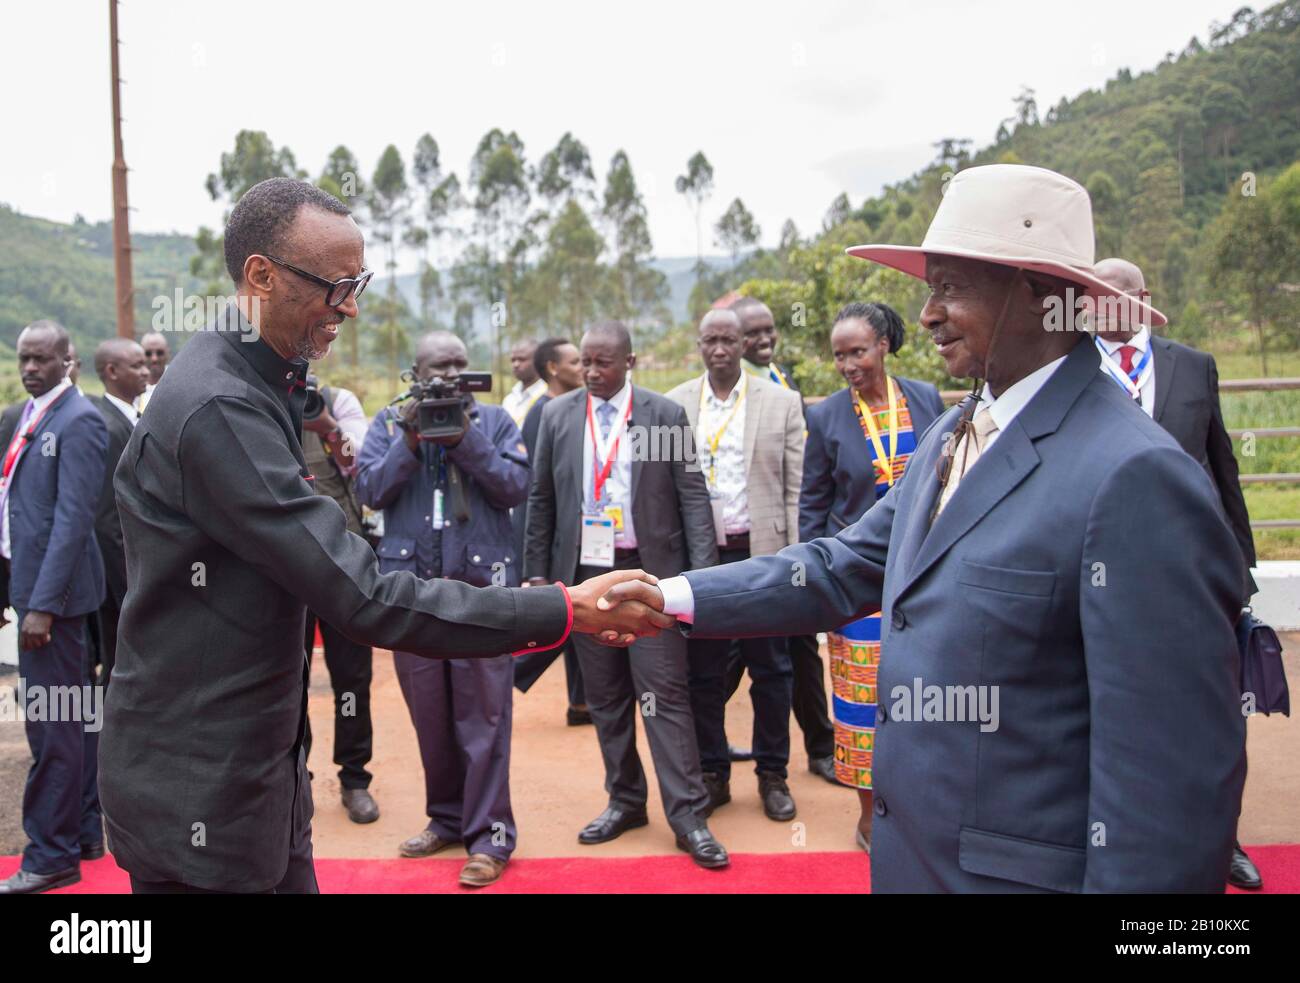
(749, 873)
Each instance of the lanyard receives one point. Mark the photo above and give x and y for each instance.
(868, 421)
(600, 473)
(716, 440)
(777, 375)
(1130, 382)
(20, 439)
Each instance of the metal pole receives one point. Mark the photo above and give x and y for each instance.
(121, 223)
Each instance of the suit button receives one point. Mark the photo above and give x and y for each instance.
(882, 714)
(879, 807)
(403, 552)
(897, 619)
(532, 645)
(476, 559)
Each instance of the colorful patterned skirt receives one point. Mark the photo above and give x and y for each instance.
(855, 655)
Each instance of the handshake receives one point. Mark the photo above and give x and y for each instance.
(618, 607)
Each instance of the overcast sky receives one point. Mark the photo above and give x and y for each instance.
(792, 102)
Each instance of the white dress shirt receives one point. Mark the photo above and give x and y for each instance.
(679, 601)
(128, 411)
(351, 418)
(38, 404)
(726, 475)
(519, 400)
(617, 489)
(1142, 342)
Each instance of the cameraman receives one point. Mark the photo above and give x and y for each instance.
(333, 427)
(446, 505)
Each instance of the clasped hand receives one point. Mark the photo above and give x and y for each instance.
(619, 607)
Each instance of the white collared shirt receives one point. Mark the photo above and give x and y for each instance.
(519, 400)
(726, 476)
(617, 489)
(127, 409)
(38, 404)
(1142, 342)
(1014, 398)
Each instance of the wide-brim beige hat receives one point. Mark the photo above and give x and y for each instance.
(1026, 217)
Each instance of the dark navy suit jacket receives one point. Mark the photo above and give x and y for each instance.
(491, 456)
(839, 487)
(54, 493)
(1082, 574)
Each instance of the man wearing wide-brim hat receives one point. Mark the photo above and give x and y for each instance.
(1056, 699)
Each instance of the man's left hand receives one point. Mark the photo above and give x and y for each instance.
(35, 630)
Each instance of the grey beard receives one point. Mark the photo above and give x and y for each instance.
(303, 348)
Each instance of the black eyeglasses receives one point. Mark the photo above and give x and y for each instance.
(337, 291)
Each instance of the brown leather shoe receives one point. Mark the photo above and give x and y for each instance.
(424, 844)
(481, 870)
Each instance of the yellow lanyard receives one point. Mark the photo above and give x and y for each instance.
(716, 440)
(869, 421)
(780, 376)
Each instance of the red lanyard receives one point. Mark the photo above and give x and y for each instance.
(600, 473)
(20, 439)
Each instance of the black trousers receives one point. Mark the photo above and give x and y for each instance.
(809, 695)
(61, 797)
(350, 667)
(771, 675)
(101, 627)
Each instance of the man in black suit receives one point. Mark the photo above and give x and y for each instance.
(120, 365)
(760, 337)
(203, 779)
(603, 497)
(1178, 387)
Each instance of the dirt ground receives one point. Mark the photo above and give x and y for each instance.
(557, 781)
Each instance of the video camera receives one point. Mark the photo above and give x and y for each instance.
(440, 412)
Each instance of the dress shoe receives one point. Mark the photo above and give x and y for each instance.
(824, 768)
(577, 716)
(481, 870)
(1242, 872)
(360, 805)
(611, 824)
(27, 882)
(92, 851)
(424, 844)
(703, 848)
(739, 753)
(775, 793)
(719, 790)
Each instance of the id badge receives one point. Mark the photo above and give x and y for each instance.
(437, 509)
(597, 549)
(615, 513)
(719, 520)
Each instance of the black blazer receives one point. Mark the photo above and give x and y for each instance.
(838, 488)
(670, 500)
(9, 420)
(108, 525)
(1187, 406)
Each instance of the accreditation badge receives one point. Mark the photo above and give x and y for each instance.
(597, 544)
(615, 515)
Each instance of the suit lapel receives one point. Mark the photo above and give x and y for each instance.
(640, 417)
(1166, 363)
(574, 436)
(998, 472)
(51, 413)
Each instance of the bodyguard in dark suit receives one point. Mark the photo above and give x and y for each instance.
(120, 365)
(602, 453)
(53, 472)
(446, 509)
(1178, 387)
(1057, 710)
(203, 780)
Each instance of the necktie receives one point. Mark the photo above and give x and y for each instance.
(976, 439)
(1126, 353)
(605, 413)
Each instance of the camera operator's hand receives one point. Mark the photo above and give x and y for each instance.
(407, 416)
(323, 425)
